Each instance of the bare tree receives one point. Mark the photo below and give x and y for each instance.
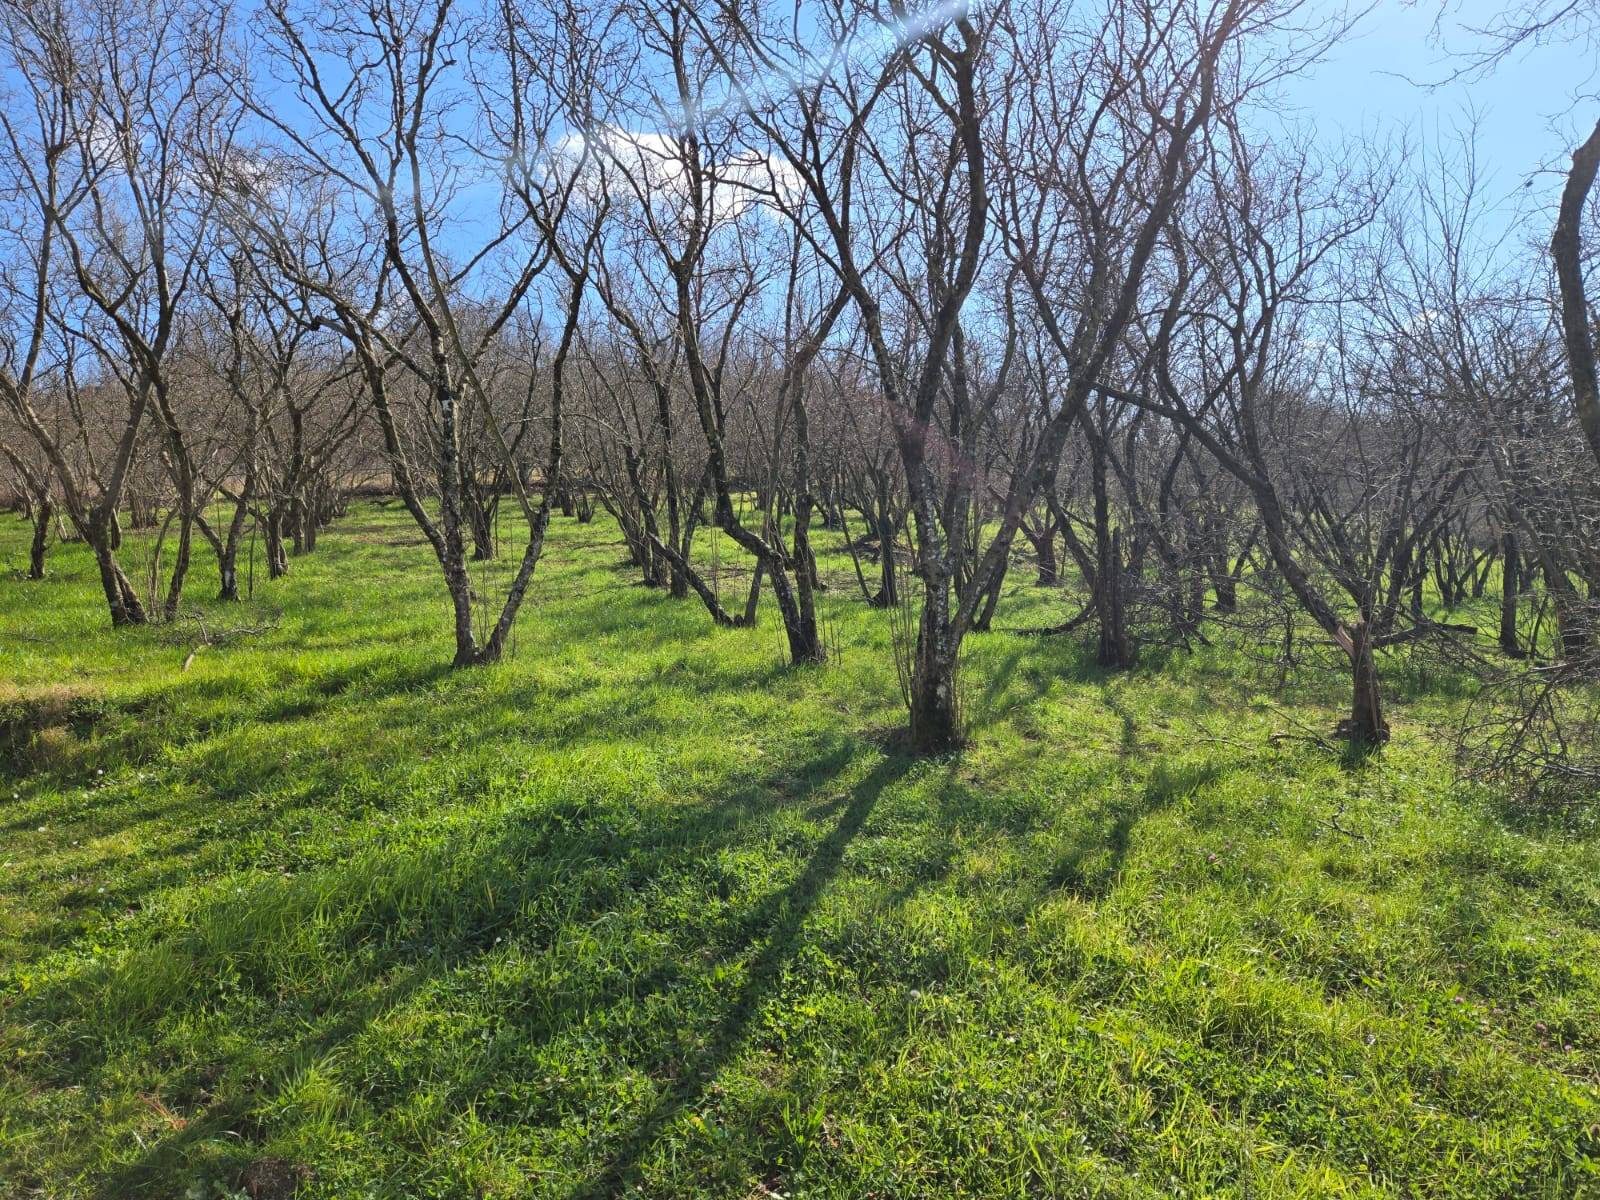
(111, 218)
(389, 179)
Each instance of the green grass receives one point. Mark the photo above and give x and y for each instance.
(642, 912)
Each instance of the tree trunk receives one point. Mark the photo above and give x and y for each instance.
(143, 513)
(888, 587)
(1510, 590)
(229, 571)
(1366, 726)
(299, 518)
(1566, 248)
(799, 621)
(455, 577)
(805, 643)
(493, 648)
(41, 539)
(1225, 585)
(121, 598)
(277, 559)
(480, 511)
(1572, 628)
(1115, 650)
(985, 618)
(1193, 606)
(935, 719)
(452, 547)
(180, 567)
(226, 548)
(1480, 577)
(1044, 547)
(654, 567)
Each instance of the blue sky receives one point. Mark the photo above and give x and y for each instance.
(1373, 83)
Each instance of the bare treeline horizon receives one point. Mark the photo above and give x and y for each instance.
(985, 288)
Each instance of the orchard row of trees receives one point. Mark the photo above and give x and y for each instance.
(968, 285)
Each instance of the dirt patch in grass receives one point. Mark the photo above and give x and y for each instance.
(273, 1179)
(38, 728)
(380, 533)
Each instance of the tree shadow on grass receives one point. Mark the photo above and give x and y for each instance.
(528, 876)
(1128, 745)
(187, 821)
(140, 727)
(1041, 662)
(1089, 869)
(997, 698)
(784, 916)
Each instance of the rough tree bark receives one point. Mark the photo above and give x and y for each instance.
(1566, 248)
(1510, 590)
(42, 512)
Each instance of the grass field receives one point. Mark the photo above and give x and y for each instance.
(642, 912)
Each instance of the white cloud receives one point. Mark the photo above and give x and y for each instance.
(650, 166)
